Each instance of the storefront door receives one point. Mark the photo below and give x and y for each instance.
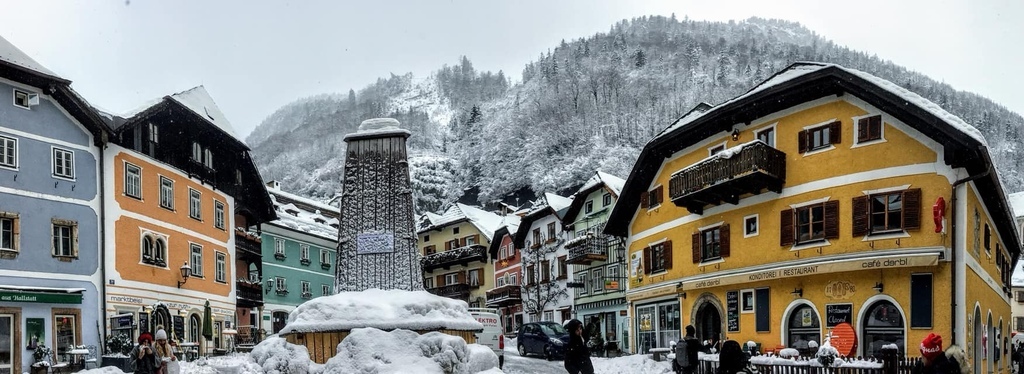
(7, 343)
(709, 323)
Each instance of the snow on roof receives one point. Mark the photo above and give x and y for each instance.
(295, 218)
(381, 309)
(485, 221)
(142, 108)
(12, 55)
(614, 183)
(802, 68)
(276, 190)
(1016, 201)
(199, 102)
(558, 202)
(726, 154)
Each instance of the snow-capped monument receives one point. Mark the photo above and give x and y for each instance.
(377, 235)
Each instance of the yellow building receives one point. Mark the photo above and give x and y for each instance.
(456, 262)
(803, 205)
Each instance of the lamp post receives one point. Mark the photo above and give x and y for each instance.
(185, 272)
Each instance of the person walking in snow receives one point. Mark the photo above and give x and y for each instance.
(933, 359)
(144, 358)
(577, 356)
(686, 360)
(164, 352)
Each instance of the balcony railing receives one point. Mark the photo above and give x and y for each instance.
(727, 176)
(250, 294)
(586, 249)
(247, 244)
(457, 256)
(455, 291)
(249, 335)
(504, 295)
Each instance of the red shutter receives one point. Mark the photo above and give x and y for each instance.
(861, 222)
(786, 228)
(835, 132)
(832, 219)
(862, 129)
(667, 253)
(723, 233)
(644, 200)
(696, 247)
(802, 141)
(647, 260)
(912, 209)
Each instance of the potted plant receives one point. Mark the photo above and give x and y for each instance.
(118, 347)
(42, 356)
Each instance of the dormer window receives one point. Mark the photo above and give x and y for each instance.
(21, 99)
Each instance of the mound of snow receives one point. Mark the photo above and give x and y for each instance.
(381, 309)
(274, 355)
(370, 350)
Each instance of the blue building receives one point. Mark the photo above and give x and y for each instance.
(50, 213)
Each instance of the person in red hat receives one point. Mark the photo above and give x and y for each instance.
(933, 357)
(144, 358)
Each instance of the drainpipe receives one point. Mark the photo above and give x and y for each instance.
(952, 239)
(103, 257)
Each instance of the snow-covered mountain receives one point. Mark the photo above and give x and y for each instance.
(588, 104)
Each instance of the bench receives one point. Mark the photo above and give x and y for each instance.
(657, 353)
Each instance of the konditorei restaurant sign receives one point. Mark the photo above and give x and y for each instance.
(823, 267)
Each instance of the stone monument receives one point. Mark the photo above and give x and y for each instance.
(377, 235)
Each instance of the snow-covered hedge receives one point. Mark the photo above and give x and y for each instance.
(277, 356)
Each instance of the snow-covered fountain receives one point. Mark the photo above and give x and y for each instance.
(379, 316)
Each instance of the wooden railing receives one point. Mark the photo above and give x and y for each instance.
(587, 249)
(249, 294)
(504, 294)
(469, 253)
(246, 245)
(454, 291)
(753, 158)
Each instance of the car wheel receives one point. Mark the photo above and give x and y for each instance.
(522, 350)
(549, 353)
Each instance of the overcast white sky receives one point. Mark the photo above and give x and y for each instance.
(255, 56)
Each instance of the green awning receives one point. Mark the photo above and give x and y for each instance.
(46, 295)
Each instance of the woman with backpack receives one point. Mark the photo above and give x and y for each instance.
(577, 356)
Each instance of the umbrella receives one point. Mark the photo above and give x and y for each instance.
(207, 321)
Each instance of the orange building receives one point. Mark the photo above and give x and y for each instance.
(173, 204)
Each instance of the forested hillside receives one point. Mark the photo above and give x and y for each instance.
(586, 104)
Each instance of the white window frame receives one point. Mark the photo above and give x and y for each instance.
(6, 143)
(512, 280)
(72, 227)
(451, 278)
(304, 252)
(166, 193)
(154, 133)
(218, 214)
(479, 277)
(208, 158)
(67, 163)
(711, 150)
(325, 256)
(12, 232)
(280, 284)
(325, 289)
(606, 199)
(197, 152)
(588, 207)
(195, 204)
(500, 282)
(221, 270)
(774, 135)
(306, 288)
(613, 274)
(132, 180)
(856, 130)
(195, 251)
(582, 277)
(428, 282)
(470, 240)
(14, 101)
(757, 222)
(597, 280)
(278, 246)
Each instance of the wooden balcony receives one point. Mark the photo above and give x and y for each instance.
(504, 296)
(719, 179)
(249, 295)
(458, 291)
(586, 249)
(248, 246)
(458, 256)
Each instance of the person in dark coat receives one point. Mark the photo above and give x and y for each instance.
(577, 356)
(732, 360)
(144, 358)
(686, 360)
(933, 358)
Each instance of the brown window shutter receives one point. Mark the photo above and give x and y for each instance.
(667, 252)
(462, 242)
(802, 141)
(476, 239)
(696, 247)
(786, 228)
(644, 200)
(835, 132)
(723, 237)
(462, 277)
(660, 192)
(647, 260)
(448, 245)
(861, 223)
(875, 126)
(832, 219)
(440, 281)
(912, 209)
(862, 129)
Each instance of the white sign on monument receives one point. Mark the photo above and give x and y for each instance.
(375, 242)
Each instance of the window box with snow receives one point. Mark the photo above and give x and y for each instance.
(325, 266)
(281, 291)
(307, 295)
(279, 256)
(305, 261)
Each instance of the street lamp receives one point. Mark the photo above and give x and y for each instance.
(185, 272)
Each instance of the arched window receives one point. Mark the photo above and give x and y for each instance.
(883, 324)
(804, 328)
(147, 248)
(160, 252)
(193, 328)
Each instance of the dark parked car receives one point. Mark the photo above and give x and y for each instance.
(548, 339)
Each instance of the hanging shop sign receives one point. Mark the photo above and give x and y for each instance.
(611, 284)
(838, 313)
(375, 242)
(40, 297)
(732, 302)
(825, 267)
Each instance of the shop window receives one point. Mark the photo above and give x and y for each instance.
(809, 224)
(65, 327)
(883, 324)
(804, 328)
(657, 325)
(921, 300)
(887, 212)
(820, 137)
